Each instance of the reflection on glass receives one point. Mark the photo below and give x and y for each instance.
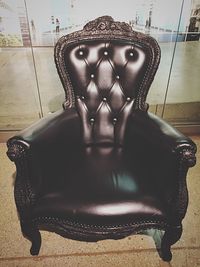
(183, 98)
(18, 91)
(10, 31)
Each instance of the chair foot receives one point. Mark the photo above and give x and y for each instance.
(36, 244)
(35, 248)
(33, 234)
(165, 253)
(171, 236)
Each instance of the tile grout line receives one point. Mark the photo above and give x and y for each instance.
(91, 254)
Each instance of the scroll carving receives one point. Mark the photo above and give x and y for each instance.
(17, 150)
(186, 154)
(106, 23)
(24, 195)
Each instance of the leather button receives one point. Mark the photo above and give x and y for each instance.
(92, 75)
(114, 120)
(81, 53)
(117, 77)
(105, 53)
(92, 120)
(104, 99)
(128, 99)
(82, 97)
(131, 54)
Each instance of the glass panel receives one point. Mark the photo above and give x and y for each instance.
(44, 36)
(18, 88)
(29, 30)
(164, 26)
(183, 98)
(51, 90)
(151, 17)
(44, 16)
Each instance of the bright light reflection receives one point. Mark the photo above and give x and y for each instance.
(125, 208)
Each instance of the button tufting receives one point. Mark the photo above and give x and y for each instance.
(128, 99)
(81, 53)
(105, 53)
(131, 54)
(117, 77)
(82, 97)
(92, 120)
(92, 75)
(104, 99)
(114, 120)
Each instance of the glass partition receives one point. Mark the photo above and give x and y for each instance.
(29, 84)
(182, 105)
(19, 99)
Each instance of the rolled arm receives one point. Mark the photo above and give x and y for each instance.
(61, 126)
(163, 136)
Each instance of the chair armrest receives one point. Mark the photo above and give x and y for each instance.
(60, 127)
(161, 135)
(36, 149)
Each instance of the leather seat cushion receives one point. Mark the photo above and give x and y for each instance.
(103, 186)
(100, 212)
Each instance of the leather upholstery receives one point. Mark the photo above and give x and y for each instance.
(57, 146)
(105, 77)
(63, 125)
(157, 132)
(110, 187)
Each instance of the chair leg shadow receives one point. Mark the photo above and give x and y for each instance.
(164, 240)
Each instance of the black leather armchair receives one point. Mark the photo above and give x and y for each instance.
(103, 167)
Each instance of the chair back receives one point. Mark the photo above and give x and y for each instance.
(106, 70)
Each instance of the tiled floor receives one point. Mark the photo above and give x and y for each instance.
(57, 251)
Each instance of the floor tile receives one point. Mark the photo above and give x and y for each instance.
(128, 259)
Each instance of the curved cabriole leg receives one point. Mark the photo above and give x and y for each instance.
(171, 236)
(32, 233)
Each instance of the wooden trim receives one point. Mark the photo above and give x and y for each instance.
(5, 135)
(188, 129)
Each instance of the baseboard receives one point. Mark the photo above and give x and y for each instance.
(5, 135)
(191, 129)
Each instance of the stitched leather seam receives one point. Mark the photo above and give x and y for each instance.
(99, 226)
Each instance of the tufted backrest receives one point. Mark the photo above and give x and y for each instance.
(106, 76)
